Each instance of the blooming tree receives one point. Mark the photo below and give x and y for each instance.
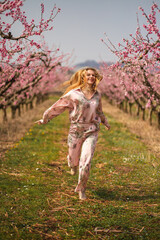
(26, 61)
(139, 63)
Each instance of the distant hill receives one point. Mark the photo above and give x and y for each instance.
(90, 63)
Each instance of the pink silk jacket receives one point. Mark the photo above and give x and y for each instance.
(81, 110)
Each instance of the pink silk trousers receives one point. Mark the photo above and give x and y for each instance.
(82, 140)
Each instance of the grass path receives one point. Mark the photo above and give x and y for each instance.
(37, 192)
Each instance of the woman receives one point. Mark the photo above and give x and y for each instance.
(85, 111)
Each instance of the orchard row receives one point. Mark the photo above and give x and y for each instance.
(135, 78)
(28, 68)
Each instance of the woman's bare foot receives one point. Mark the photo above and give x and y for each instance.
(82, 195)
(73, 170)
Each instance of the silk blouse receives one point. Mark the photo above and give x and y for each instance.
(81, 109)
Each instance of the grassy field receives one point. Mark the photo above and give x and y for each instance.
(37, 192)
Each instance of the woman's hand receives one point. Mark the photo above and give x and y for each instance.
(39, 122)
(108, 127)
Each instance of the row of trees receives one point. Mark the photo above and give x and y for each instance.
(28, 68)
(135, 78)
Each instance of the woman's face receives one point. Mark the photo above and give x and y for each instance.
(90, 77)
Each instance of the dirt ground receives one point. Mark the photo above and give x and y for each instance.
(14, 130)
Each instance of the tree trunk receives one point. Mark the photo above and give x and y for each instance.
(31, 105)
(130, 108)
(121, 106)
(22, 107)
(111, 102)
(19, 110)
(138, 111)
(5, 119)
(13, 110)
(150, 116)
(26, 106)
(43, 98)
(143, 114)
(126, 107)
(37, 100)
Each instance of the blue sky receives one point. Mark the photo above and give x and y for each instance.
(81, 24)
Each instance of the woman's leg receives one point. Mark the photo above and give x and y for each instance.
(74, 150)
(87, 152)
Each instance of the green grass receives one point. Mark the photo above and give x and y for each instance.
(37, 192)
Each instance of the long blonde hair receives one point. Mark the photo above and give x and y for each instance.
(78, 79)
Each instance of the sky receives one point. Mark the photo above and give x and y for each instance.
(81, 24)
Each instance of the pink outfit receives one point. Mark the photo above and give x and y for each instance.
(85, 117)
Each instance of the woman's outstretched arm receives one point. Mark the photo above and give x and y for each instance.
(56, 109)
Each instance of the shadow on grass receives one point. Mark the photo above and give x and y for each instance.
(104, 193)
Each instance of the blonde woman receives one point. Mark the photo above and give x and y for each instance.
(85, 111)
